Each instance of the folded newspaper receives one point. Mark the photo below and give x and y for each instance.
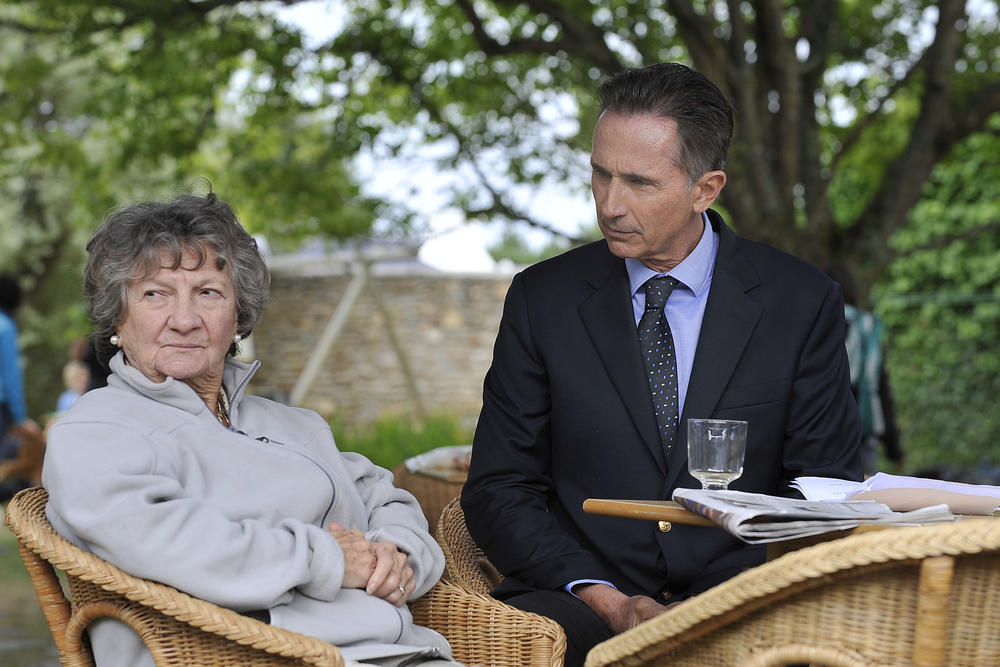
(756, 518)
(902, 493)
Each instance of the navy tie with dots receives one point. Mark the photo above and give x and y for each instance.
(658, 354)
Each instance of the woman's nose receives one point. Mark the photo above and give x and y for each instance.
(184, 314)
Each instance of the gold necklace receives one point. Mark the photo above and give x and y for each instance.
(220, 409)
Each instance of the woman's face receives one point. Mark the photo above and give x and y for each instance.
(180, 322)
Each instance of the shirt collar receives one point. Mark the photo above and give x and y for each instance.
(694, 271)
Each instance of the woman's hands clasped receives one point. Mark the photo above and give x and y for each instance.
(378, 567)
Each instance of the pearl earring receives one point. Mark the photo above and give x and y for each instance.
(237, 338)
(115, 340)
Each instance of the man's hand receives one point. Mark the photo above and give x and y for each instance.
(378, 567)
(619, 611)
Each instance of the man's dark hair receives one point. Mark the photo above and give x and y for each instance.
(10, 293)
(703, 115)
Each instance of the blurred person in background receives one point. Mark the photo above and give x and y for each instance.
(76, 377)
(16, 427)
(869, 378)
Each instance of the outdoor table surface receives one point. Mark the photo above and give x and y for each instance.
(656, 510)
(671, 512)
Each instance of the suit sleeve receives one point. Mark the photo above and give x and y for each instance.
(823, 432)
(506, 496)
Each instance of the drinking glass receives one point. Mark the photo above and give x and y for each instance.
(716, 448)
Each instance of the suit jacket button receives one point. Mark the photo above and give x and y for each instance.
(664, 526)
(665, 594)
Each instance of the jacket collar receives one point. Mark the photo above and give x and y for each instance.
(609, 320)
(235, 378)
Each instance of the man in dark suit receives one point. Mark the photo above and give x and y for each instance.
(567, 414)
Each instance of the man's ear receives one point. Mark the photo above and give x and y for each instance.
(707, 189)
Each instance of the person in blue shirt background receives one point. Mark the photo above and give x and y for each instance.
(14, 421)
(13, 410)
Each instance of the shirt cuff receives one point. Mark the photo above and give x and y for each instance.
(570, 585)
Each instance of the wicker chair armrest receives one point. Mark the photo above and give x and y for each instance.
(794, 572)
(465, 562)
(26, 517)
(485, 631)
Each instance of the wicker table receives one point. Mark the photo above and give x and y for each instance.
(431, 491)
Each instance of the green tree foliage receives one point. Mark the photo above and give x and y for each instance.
(884, 90)
(102, 103)
(845, 108)
(940, 303)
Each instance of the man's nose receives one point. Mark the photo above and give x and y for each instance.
(610, 199)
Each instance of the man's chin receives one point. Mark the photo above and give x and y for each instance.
(620, 248)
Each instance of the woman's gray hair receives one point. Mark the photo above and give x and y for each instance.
(128, 245)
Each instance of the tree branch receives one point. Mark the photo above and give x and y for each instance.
(698, 34)
(750, 142)
(779, 68)
(817, 30)
(581, 39)
(854, 134)
(500, 205)
(30, 29)
(904, 177)
(970, 116)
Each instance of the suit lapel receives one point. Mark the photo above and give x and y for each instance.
(607, 315)
(730, 316)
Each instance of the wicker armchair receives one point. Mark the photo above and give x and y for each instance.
(904, 596)
(466, 565)
(181, 630)
(464, 562)
(431, 492)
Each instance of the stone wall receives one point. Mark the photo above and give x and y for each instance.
(444, 326)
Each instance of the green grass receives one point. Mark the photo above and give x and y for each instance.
(393, 440)
(25, 640)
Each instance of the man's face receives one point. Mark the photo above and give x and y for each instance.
(646, 208)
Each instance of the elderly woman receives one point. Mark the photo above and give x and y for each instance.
(174, 473)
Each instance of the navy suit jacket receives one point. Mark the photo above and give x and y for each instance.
(567, 415)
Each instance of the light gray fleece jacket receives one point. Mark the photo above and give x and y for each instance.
(143, 475)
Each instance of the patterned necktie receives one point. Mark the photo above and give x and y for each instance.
(658, 354)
